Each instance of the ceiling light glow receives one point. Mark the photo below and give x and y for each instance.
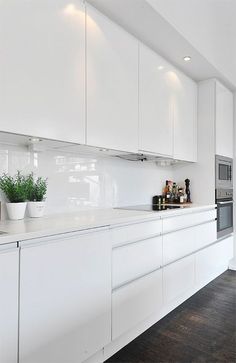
(187, 58)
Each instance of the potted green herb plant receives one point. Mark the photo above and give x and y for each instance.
(36, 193)
(14, 188)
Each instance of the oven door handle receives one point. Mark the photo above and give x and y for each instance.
(229, 202)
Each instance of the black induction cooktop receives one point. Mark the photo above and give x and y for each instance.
(152, 207)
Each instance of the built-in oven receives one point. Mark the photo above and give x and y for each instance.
(224, 201)
(224, 172)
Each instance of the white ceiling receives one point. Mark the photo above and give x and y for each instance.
(203, 29)
(209, 25)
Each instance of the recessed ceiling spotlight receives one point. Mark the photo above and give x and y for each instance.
(187, 58)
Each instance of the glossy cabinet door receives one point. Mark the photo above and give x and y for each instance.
(135, 259)
(65, 299)
(42, 69)
(185, 118)
(112, 84)
(178, 279)
(156, 79)
(178, 244)
(224, 121)
(213, 260)
(9, 278)
(205, 234)
(135, 302)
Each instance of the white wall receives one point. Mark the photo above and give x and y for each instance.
(209, 25)
(77, 182)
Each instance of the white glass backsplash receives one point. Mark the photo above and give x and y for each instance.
(77, 182)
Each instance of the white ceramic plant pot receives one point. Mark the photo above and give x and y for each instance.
(16, 210)
(36, 209)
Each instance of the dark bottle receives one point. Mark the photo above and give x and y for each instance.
(167, 193)
(187, 190)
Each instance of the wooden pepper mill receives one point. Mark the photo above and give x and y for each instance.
(187, 189)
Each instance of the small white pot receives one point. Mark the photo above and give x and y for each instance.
(16, 210)
(36, 209)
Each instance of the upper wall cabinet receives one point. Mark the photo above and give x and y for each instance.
(224, 121)
(185, 117)
(155, 103)
(167, 101)
(42, 69)
(112, 85)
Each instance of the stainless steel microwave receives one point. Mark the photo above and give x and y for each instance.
(224, 172)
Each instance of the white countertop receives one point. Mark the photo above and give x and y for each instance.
(30, 228)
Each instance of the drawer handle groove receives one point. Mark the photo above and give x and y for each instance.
(190, 226)
(135, 279)
(137, 240)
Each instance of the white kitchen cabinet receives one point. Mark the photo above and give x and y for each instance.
(224, 121)
(178, 244)
(112, 84)
(178, 279)
(168, 108)
(135, 259)
(205, 234)
(9, 268)
(134, 302)
(156, 78)
(213, 260)
(187, 220)
(185, 117)
(42, 69)
(186, 241)
(135, 232)
(65, 299)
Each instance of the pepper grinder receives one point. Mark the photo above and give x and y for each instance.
(187, 183)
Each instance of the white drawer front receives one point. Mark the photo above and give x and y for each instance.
(133, 303)
(137, 231)
(178, 278)
(205, 234)
(191, 219)
(135, 259)
(213, 260)
(178, 244)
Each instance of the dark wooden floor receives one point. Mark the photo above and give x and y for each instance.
(203, 329)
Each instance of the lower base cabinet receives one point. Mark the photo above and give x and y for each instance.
(65, 298)
(68, 312)
(9, 268)
(135, 302)
(178, 279)
(213, 260)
